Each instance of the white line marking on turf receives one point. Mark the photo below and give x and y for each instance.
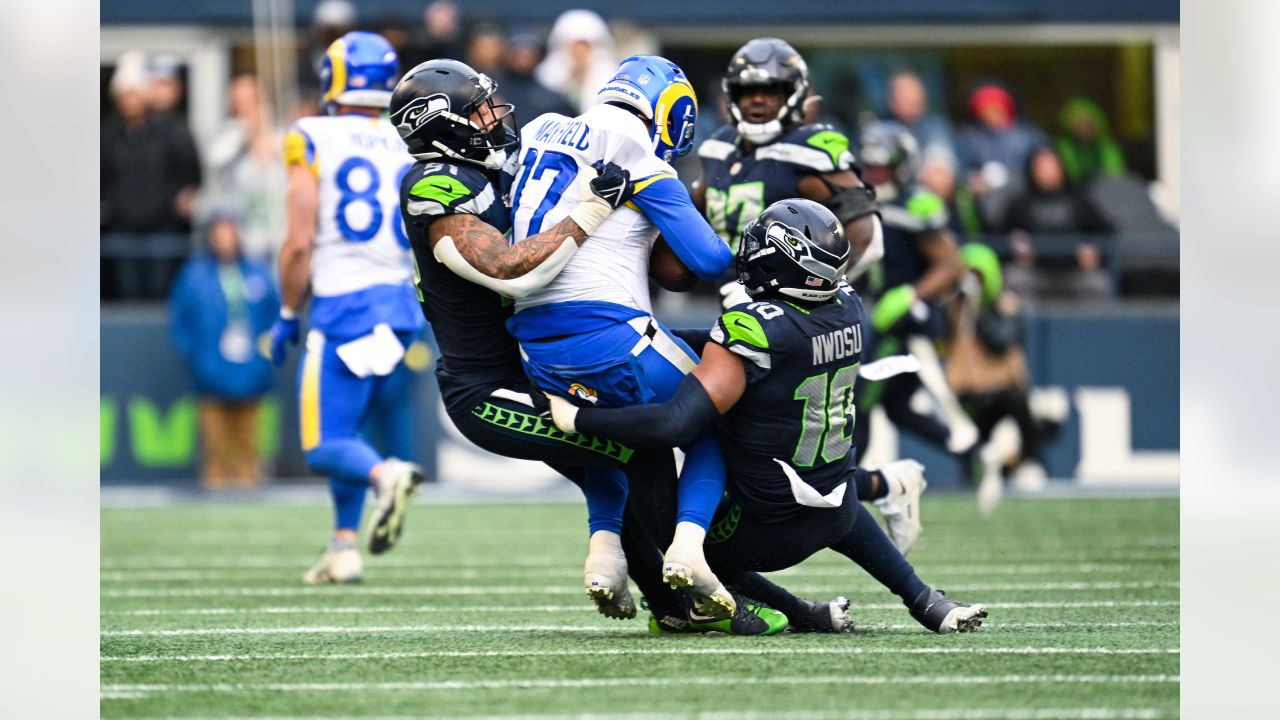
(360, 610)
(197, 571)
(568, 589)
(641, 651)
(429, 628)
(1087, 713)
(847, 679)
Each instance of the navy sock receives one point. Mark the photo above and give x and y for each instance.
(868, 546)
(606, 492)
(701, 482)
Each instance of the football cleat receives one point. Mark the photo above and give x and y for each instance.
(605, 578)
(340, 563)
(990, 483)
(901, 507)
(934, 610)
(710, 597)
(831, 616)
(395, 487)
(749, 618)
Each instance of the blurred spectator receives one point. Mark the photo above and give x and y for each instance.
(939, 177)
(580, 59)
(164, 95)
(487, 50)
(150, 174)
(1085, 146)
(441, 36)
(246, 171)
(331, 20)
(986, 365)
(221, 304)
(994, 147)
(521, 88)
(909, 105)
(1051, 207)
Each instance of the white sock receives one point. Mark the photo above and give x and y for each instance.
(689, 537)
(605, 542)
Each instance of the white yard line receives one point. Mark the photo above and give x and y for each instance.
(1005, 713)
(207, 573)
(638, 651)
(721, 680)
(512, 628)
(462, 609)
(569, 589)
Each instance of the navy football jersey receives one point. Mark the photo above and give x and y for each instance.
(788, 441)
(740, 186)
(469, 321)
(905, 218)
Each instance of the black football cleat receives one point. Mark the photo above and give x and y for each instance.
(934, 610)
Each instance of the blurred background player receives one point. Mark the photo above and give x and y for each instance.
(590, 334)
(921, 268)
(778, 374)
(222, 302)
(345, 242)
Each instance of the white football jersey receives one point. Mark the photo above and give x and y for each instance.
(556, 153)
(360, 239)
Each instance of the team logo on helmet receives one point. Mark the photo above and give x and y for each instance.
(418, 111)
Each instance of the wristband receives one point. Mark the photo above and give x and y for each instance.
(591, 212)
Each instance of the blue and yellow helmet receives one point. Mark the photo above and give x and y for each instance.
(360, 69)
(659, 90)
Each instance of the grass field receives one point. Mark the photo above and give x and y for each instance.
(480, 613)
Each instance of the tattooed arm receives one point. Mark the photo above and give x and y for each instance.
(487, 251)
(476, 251)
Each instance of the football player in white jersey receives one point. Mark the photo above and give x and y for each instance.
(589, 334)
(346, 244)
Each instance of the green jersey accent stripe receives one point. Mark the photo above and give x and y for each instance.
(530, 424)
(744, 327)
(441, 188)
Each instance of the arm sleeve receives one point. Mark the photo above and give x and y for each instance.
(673, 423)
(667, 204)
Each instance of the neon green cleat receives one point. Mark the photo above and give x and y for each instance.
(750, 618)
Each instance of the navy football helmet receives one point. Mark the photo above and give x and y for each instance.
(795, 249)
(431, 109)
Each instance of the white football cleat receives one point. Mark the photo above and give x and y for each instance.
(340, 563)
(1030, 477)
(684, 567)
(395, 486)
(605, 577)
(901, 507)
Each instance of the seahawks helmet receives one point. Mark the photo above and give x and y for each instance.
(888, 153)
(358, 69)
(432, 106)
(797, 249)
(657, 89)
(769, 62)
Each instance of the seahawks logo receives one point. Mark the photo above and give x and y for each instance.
(419, 111)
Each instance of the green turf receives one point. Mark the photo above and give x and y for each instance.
(480, 612)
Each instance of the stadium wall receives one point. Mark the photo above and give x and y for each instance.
(1117, 368)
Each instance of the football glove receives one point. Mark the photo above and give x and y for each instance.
(612, 184)
(283, 333)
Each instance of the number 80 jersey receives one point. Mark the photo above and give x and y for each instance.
(801, 361)
(360, 241)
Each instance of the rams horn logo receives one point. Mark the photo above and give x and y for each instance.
(582, 392)
(419, 110)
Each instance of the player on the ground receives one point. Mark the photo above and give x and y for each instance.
(769, 154)
(590, 334)
(779, 375)
(344, 243)
(457, 222)
(921, 268)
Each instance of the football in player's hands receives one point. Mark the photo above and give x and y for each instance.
(612, 184)
(667, 270)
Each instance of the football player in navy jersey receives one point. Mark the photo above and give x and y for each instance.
(453, 202)
(778, 373)
(769, 154)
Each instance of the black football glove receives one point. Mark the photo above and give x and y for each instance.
(613, 185)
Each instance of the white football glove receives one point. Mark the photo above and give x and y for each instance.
(563, 413)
